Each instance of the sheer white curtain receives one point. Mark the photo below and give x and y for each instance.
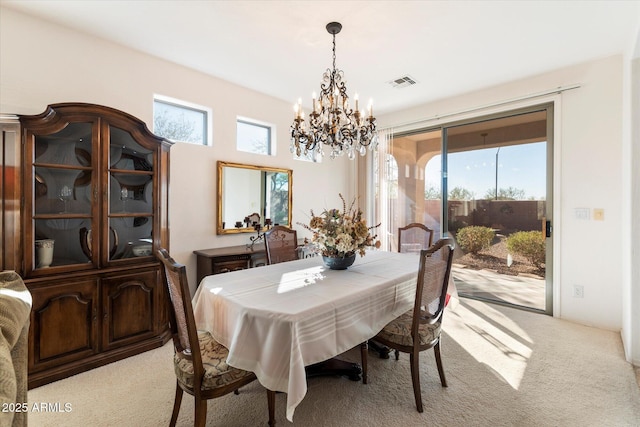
(379, 206)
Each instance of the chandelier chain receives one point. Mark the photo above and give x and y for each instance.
(334, 52)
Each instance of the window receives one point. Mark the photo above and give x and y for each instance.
(254, 137)
(181, 121)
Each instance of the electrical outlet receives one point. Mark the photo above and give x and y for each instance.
(578, 291)
(598, 214)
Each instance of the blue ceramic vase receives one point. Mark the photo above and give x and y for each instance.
(339, 263)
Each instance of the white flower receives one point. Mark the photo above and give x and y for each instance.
(344, 243)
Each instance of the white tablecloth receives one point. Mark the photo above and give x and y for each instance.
(277, 319)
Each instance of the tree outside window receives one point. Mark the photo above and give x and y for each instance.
(253, 137)
(180, 122)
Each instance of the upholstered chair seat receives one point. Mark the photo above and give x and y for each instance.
(398, 331)
(217, 373)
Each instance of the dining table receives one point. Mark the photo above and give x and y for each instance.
(278, 319)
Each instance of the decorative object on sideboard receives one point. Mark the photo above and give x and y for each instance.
(252, 220)
(333, 122)
(260, 230)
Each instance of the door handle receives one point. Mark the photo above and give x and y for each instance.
(548, 229)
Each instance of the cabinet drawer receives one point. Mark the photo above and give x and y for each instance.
(231, 263)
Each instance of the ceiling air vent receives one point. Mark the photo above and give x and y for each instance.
(401, 82)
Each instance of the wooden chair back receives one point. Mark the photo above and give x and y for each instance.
(281, 244)
(414, 237)
(181, 319)
(432, 284)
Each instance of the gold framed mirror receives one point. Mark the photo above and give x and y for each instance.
(251, 197)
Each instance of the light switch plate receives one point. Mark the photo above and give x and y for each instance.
(582, 213)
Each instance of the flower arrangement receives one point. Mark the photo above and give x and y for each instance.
(341, 233)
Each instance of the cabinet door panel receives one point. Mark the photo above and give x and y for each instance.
(129, 308)
(59, 195)
(132, 203)
(63, 324)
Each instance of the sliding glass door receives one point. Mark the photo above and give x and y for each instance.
(486, 182)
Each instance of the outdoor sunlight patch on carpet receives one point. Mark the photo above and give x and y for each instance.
(493, 339)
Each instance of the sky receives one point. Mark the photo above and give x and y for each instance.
(519, 166)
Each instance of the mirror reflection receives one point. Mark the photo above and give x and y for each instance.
(252, 197)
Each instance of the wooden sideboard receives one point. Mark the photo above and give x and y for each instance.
(231, 258)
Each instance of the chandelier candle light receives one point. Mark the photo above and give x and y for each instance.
(333, 122)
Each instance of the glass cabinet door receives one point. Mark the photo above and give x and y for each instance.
(63, 196)
(130, 207)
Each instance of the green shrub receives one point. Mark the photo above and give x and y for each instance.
(529, 244)
(475, 238)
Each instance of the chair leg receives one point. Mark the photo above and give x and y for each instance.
(177, 401)
(201, 412)
(364, 348)
(436, 350)
(397, 354)
(414, 360)
(271, 404)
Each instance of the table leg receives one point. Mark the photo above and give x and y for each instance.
(383, 351)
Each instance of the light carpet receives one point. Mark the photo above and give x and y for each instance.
(504, 367)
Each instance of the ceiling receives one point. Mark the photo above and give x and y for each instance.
(281, 48)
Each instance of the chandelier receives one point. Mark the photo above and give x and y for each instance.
(333, 122)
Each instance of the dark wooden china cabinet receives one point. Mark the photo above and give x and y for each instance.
(94, 208)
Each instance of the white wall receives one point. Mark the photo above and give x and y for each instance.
(42, 63)
(588, 173)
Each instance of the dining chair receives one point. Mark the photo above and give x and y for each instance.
(414, 237)
(411, 239)
(200, 362)
(419, 329)
(281, 244)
